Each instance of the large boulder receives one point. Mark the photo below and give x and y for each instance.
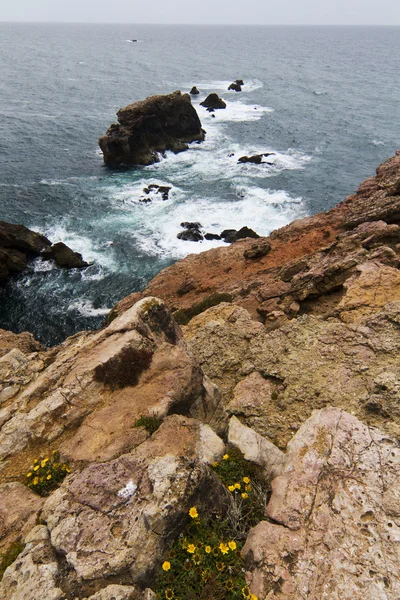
(334, 512)
(150, 127)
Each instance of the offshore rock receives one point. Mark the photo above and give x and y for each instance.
(18, 244)
(213, 102)
(334, 513)
(150, 127)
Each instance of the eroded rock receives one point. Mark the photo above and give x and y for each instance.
(333, 505)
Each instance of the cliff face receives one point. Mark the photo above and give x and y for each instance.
(149, 127)
(291, 357)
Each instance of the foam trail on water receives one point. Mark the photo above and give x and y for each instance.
(86, 308)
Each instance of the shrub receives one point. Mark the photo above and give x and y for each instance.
(46, 474)
(151, 424)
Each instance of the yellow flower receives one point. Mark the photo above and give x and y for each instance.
(36, 481)
(246, 592)
(247, 488)
(237, 486)
(35, 461)
(208, 549)
(220, 566)
(231, 488)
(29, 474)
(246, 479)
(253, 597)
(224, 548)
(67, 469)
(193, 512)
(36, 468)
(48, 477)
(225, 456)
(166, 566)
(215, 464)
(169, 593)
(191, 548)
(229, 585)
(43, 463)
(244, 495)
(232, 545)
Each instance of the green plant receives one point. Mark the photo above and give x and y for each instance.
(46, 474)
(151, 424)
(205, 562)
(8, 557)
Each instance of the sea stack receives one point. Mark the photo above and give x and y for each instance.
(150, 127)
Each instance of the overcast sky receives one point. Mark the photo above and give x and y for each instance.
(285, 12)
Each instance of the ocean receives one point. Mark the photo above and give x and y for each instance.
(325, 100)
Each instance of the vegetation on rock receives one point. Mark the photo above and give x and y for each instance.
(46, 474)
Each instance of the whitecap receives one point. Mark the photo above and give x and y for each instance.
(261, 209)
(86, 308)
(377, 143)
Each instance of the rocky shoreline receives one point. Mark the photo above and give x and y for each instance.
(283, 348)
(18, 245)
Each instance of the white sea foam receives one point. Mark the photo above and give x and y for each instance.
(42, 266)
(157, 226)
(86, 308)
(377, 143)
(86, 246)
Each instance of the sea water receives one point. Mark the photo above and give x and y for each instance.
(324, 100)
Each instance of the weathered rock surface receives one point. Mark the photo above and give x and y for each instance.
(18, 244)
(150, 127)
(335, 526)
(115, 519)
(283, 335)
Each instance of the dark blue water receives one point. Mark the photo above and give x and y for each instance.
(325, 100)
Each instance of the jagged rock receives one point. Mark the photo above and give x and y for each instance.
(18, 244)
(239, 81)
(194, 91)
(257, 159)
(256, 449)
(236, 87)
(118, 516)
(89, 398)
(19, 509)
(212, 236)
(25, 342)
(116, 592)
(164, 190)
(336, 504)
(150, 127)
(34, 573)
(258, 249)
(192, 232)
(65, 257)
(231, 235)
(213, 101)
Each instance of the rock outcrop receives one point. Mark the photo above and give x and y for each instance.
(18, 244)
(213, 102)
(289, 350)
(150, 127)
(334, 516)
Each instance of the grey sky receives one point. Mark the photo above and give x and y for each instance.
(286, 12)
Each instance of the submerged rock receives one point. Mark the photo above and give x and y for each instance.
(256, 159)
(150, 127)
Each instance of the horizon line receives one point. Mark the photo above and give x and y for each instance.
(202, 24)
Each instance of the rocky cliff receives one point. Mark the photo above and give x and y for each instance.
(289, 357)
